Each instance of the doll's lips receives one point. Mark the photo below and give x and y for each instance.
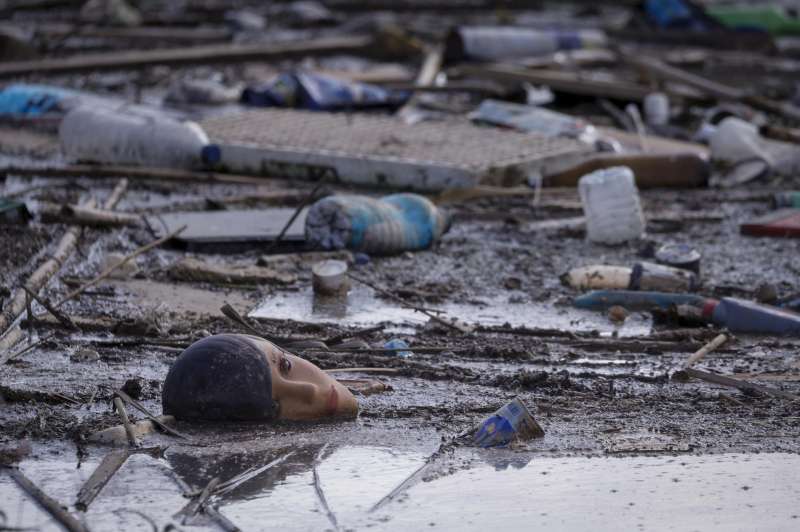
(333, 401)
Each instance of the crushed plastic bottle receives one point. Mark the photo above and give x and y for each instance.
(500, 43)
(512, 421)
(124, 136)
(392, 224)
(397, 343)
(611, 205)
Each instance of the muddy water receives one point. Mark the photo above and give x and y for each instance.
(336, 488)
(361, 307)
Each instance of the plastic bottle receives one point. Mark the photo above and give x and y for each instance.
(392, 224)
(646, 276)
(498, 43)
(611, 205)
(656, 109)
(740, 315)
(123, 136)
(633, 300)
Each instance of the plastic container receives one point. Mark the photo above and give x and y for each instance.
(123, 136)
(645, 276)
(611, 205)
(681, 256)
(397, 343)
(656, 109)
(329, 277)
(392, 224)
(512, 421)
(742, 316)
(499, 43)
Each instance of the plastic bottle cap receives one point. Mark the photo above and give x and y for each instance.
(210, 154)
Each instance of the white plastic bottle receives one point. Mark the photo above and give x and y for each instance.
(123, 136)
(611, 205)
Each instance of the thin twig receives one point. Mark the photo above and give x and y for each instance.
(30, 347)
(742, 385)
(108, 271)
(390, 295)
(123, 414)
(318, 489)
(362, 370)
(333, 340)
(64, 320)
(197, 503)
(307, 201)
(141, 408)
(706, 349)
(47, 503)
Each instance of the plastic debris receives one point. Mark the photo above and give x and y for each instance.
(120, 136)
(499, 43)
(635, 300)
(530, 118)
(329, 277)
(645, 276)
(304, 90)
(679, 256)
(392, 224)
(509, 423)
(742, 316)
(397, 343)
(611, 203)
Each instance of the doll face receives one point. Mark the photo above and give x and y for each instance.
(302, 390)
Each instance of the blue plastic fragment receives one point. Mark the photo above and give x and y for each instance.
(397, 343)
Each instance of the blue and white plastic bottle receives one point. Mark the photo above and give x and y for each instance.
(392, 224)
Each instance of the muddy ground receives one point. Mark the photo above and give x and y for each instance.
(599, 388)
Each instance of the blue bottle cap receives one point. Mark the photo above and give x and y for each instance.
(210, 154)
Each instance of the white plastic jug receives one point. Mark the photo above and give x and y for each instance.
(611, 205)
(123, 136)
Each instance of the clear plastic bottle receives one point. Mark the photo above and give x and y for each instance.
(611, 205)
(122, 136)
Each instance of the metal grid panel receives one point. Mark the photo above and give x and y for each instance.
(453, 143)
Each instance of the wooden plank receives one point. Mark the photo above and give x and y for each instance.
(185, 56)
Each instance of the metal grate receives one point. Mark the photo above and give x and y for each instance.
(377, 149)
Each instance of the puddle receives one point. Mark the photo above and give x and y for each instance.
(475, 489)
(362, 308)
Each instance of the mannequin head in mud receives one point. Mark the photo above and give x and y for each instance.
(236, 377)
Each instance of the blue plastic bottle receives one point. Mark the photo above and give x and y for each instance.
(740, 315)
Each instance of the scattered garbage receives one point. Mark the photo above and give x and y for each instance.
(736, 140)
(780, 223)
(511, 422)
(679, 256)
(789, 199)
(315, 92)
(330, 277)
(611, 204)
(202, 91)
(646, 276)
(742, 316)
(496, 43)
(120, 136)
(635, 300)
(397, 343)
(392, 224)
(530, 118)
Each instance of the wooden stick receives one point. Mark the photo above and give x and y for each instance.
(333, 340)
(706, 349)
(47, 503)
(64, 320)
(319, 491)
(116, 194)
(100, 477)
(108, 271)
(134, 172)
(123, 414)
(14, 356)
(42, 275)
(310, 198)
(745, 386)
(73, 214)
(198, 503)
(185, 56)
(390, 295)
(363, 370)
(388, 350)
(8, 341)
(141, 408)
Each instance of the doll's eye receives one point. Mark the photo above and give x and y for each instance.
(285, 365)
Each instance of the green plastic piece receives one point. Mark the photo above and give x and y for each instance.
(772, 19)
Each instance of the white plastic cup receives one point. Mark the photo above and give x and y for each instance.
(611, 205)
(329, 277)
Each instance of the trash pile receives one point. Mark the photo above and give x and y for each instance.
(479, 224)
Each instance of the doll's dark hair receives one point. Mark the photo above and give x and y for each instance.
(225, 377)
